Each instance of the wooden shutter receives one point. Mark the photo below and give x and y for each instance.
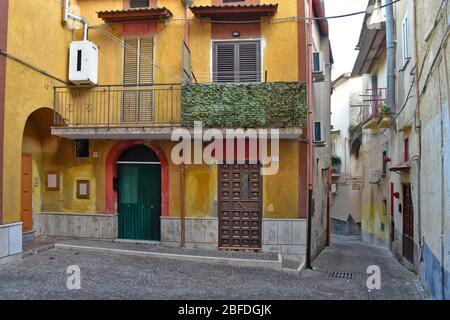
(237, 61)
(249, 62)
(145, 112)
(130, 76)
(138, 69)
(225, 62)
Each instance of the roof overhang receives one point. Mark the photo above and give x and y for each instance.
(372, 41)
(320, 13)
(236, 11)
(135, 15)
(370, 50)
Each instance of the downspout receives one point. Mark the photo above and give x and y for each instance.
(390, 54)
(70, 16)
(187, 4)
(310, 137)
(418, 128)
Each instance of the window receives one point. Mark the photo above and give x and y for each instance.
(138, 69)
(406, 149)
(384, 162)
(318, 134)
(238, 61)
(317, 62)
(406, 40)
(139, 3)
(82, 148)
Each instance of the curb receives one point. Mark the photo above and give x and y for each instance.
(269, 264)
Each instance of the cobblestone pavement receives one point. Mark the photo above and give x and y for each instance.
(111, 276)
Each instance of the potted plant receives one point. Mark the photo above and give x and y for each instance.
(385, 113)
(336, 164)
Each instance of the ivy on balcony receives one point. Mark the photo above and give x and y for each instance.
(254, 105)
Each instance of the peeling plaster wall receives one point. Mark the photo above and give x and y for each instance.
(435, 122)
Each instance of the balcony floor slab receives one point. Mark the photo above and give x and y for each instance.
(151, 133)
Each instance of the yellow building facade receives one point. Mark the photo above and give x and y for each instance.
(70, 152)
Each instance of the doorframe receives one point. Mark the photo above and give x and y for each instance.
(404, 185)
(111, 172)
(28, 154)
(261, 207)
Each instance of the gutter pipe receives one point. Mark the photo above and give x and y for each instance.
(70, 16)
(390, 43)
(310, 138)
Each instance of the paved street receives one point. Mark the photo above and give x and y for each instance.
(112, 276)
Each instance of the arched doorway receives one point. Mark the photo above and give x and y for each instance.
(39, 150)
(139, 194)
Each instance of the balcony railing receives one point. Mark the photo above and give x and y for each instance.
(373, 100)
(118, 105)
(243, 105)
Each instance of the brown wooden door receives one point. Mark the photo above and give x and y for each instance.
(408, 224)
(240, 206)
(26, 202)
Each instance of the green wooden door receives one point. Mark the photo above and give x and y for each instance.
(139, 201)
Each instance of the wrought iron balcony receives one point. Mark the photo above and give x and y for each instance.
(118, 105)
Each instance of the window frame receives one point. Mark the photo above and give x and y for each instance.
(259, 58)
(406, 40)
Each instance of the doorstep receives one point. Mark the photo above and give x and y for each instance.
(241, 259)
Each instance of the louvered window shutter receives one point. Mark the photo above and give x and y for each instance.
(138, 69)
(225, 62)
(145, 112)
(249, 62)
(146, 61)
(237, 61)
(130, 65)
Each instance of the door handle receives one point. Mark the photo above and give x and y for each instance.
(242, 206)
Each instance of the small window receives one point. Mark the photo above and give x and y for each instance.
(317, 62)
(406, 40)
(82, 148)
(139, 3)
(384, 162)
(406, 149)
(318, 134)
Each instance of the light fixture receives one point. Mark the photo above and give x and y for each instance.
(236, 34)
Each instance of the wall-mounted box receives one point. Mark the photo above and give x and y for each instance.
(83, 63)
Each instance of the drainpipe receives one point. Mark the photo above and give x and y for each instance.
(390, 54)
(187, 4)
(310, 138)
(418, 128)
(70, 16)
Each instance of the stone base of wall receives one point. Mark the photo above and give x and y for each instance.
(200, 233)
(279, 235)
(284, 236)
(10, 242)
(92, 226)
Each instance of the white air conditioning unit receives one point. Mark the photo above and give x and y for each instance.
(83, 64)
(317, 62)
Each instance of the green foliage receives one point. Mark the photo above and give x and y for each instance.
(383, 109)
(336, 160)
(255, 105)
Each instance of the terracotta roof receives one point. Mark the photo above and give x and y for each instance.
(251, 10)
(135, 15)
